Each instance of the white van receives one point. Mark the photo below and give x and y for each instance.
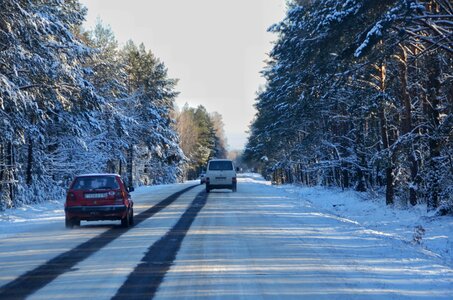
(220, 174)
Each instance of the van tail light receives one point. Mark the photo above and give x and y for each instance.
(119, 197)
(234, 180)
(70, 197)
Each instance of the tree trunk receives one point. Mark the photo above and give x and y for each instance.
(389, 191)
(360, 182)
(29, 175)
(406, 124)
(8, 177)
(298, 173)
(431, 106)
(345, 176)
(2, 165)
(130, 160)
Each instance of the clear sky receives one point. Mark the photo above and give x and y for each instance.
(215, 48)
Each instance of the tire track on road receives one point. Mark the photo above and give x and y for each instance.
(144, 281)
(39, 277)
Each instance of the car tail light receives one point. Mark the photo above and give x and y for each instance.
(70, 197)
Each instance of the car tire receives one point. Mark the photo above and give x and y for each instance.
(126, 220)
(76, 223)
(131, 218)
(68, 223)
(208, 189)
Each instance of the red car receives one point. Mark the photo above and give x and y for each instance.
(94, 197)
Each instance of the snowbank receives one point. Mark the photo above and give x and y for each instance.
(432, 234)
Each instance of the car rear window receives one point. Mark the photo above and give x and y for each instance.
(220, 165)
(95, 182)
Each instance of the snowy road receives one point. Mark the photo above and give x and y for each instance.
(258, 243)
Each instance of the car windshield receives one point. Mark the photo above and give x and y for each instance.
(220, 165)
(95, 183)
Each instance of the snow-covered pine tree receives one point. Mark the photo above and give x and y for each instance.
(70, 103)
(357, 94)
(109, 77)
(43, 90)
(151, 139)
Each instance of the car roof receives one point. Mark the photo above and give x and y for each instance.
(98, 175)
(220, 159)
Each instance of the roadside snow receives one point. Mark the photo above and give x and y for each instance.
(28, 217)
(263, 242)
(414, 225)
(431, 234)
(269, 242)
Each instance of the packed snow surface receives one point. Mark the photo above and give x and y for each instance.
(263, 242)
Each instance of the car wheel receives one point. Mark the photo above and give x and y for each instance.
(126, 220)
(208, 189)
(68, 223)
(131, 218)
(76, 223)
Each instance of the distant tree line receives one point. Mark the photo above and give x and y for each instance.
(359, 94)
(202, 137)
(72, 101)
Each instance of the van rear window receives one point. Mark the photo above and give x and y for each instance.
(95, 182)
(220, 165)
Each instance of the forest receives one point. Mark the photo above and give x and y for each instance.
(73, 101)
(202, 137)
(359, 94)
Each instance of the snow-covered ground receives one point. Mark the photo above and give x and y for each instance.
(414, 225)
(16, 220)
(33, 235)
(263, 242)
(267, 242)
(27, 217)
(433, 234)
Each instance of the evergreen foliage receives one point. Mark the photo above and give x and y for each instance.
(359, 94)
(71, 102)
(201, 138)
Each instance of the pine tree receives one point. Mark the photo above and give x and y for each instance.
(201, 137)
(357, 94)
(43, 87)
